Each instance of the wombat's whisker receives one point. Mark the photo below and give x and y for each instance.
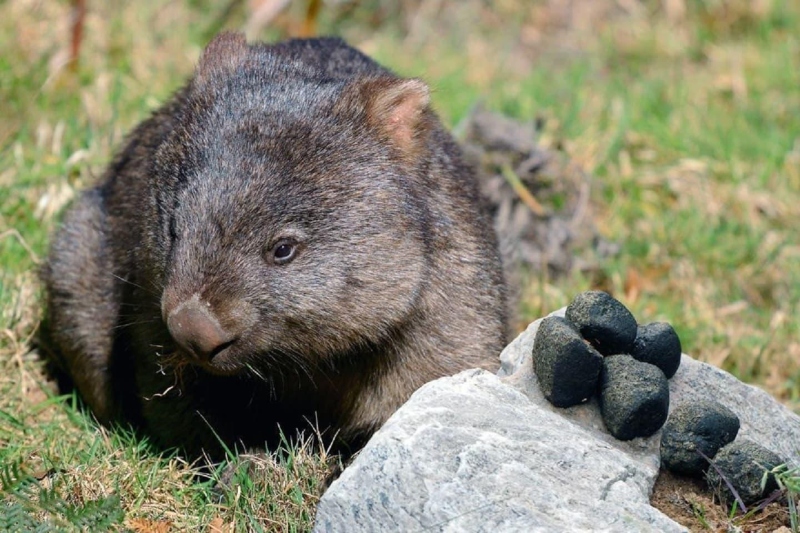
(255, 372)
(129, 282)
(134, 323)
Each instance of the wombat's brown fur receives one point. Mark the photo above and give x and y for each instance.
(292, 237)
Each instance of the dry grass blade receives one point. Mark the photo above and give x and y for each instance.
(523, 192)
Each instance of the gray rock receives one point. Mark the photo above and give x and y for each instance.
(763, 419)
(604, 321)
(634, 397)
(471, 453)
(567, 367)
(475, 452)
(743, 463)
(704, 426)
(659, 345)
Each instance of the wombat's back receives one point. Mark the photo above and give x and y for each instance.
(293, 237)
(322, 58)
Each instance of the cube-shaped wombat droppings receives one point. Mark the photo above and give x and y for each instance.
(567, 367)
(693, 428)
(659, 345)
(634, 397)
(743, 463)
(603, 321)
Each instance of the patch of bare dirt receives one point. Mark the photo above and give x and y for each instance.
(690, 503)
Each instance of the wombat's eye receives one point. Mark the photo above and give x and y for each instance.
(283, 251)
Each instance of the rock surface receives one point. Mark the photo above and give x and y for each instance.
(471, 453)
(475, 452)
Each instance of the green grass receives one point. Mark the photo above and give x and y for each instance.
(688, 126)
(788, 480)
(698, 182)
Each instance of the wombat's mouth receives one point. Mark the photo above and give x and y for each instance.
(218, 368)
(219, 365)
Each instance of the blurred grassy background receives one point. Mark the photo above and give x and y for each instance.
(686, 112)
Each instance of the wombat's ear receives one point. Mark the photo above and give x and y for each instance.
(396, 107)
(221, 57)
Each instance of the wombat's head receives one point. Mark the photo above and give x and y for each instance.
(289, 225)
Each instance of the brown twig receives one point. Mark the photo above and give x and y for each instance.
(77, 16)
(522, 191)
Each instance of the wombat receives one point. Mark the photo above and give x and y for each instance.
(291, 241)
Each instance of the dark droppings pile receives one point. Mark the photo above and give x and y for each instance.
(633, 394)
(631, 383)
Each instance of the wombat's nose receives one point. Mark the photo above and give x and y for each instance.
(197, 330)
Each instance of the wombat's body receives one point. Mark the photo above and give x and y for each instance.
(293, 237)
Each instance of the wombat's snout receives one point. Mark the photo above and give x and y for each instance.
(197, 330)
